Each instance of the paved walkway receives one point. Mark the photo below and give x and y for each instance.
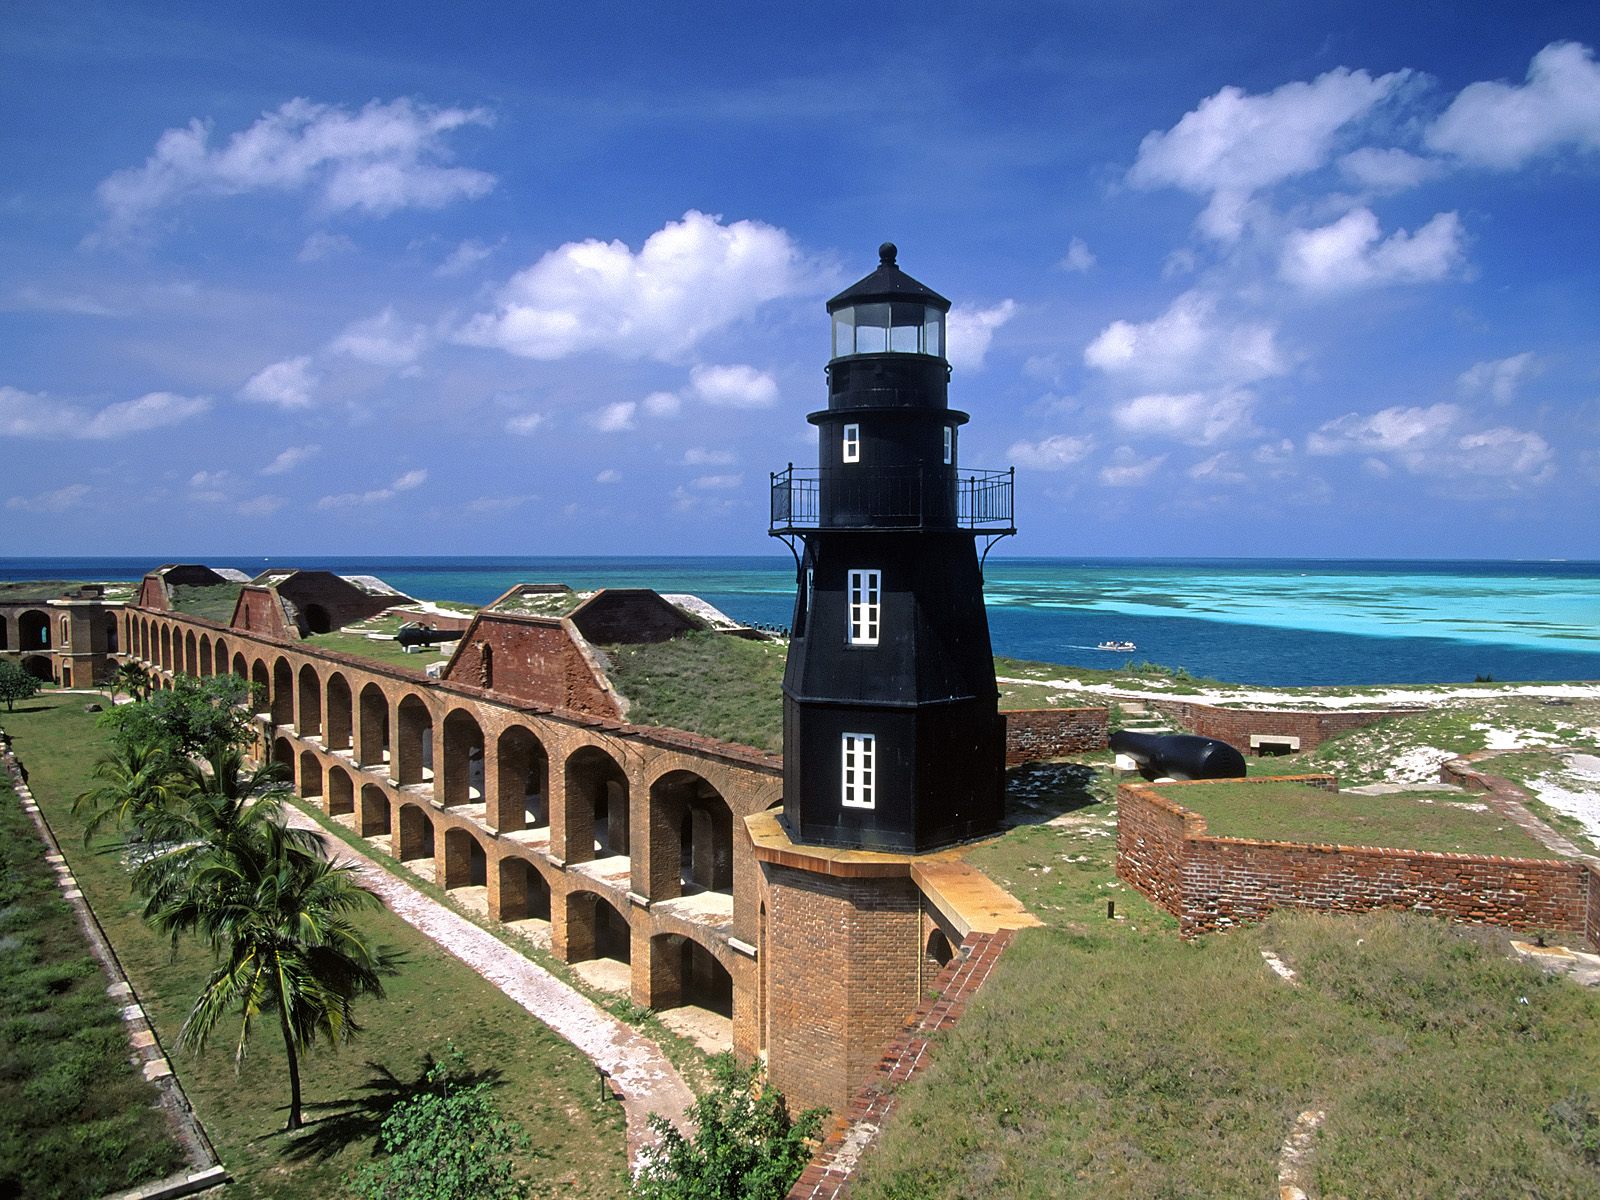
(649, 1083)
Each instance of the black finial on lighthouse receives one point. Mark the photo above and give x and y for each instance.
(891, 729)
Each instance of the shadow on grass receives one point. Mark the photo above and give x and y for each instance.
(334, 1124)
(1040, 792)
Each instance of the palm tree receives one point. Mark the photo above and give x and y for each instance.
(274, 908)
(136, 781)
(131, 679)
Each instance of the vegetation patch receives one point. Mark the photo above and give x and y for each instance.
(435, 1001)
(79, 1118)
(559, 603)
(1107, 1059)
(1444, 822)
(214, 601)
(373, 640)
(707, 683)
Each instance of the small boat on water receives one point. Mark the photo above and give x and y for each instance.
(1116, 646)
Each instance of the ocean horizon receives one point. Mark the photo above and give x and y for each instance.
(1266, 621)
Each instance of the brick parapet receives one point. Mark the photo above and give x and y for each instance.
(1236, 726)
(1211, 883)
(833, 1168)
(1033, 734)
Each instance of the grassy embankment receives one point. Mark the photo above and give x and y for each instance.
(1293, 812)
(213, 602)
(577, 1140)
(1105, 1058)
(79, 1118)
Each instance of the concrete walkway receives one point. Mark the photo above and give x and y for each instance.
(649, 1083)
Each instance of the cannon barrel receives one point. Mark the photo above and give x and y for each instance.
(421, 635)
(1179, 755)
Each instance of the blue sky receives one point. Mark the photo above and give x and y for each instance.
(1229, 279)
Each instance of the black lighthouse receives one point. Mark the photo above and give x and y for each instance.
(892, 736)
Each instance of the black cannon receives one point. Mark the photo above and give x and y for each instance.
(1179, 755)
(413, 634)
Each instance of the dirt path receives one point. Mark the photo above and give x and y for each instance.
(648, 1081)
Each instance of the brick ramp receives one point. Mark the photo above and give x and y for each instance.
(831, 1170)
(647, 1081)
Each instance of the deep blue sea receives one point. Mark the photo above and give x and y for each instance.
(1254, 621)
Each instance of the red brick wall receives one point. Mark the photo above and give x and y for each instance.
(1235, 725)
(1212, 883)
(1591, 916)
(260, 613)
(535, 661)
(1033, 734)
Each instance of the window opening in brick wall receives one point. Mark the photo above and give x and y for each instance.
(859, 769)
(852, 443)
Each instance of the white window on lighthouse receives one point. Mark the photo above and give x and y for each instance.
(852, 443)
(859, 772)
(949, 445)
(866, 589)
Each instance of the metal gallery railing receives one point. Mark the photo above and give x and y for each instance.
(863, 497)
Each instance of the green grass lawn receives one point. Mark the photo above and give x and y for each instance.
(353, 640)
(215, 602)
(79, 1118)
(577, 1141)
(1107, 1059)
(707, 683)
(1293, 812)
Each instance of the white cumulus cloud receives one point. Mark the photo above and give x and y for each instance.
(38, 415)
(1078, 257)
(1387, 170)
(1233, 144)
(970, 330)
(1128, 468)
(736, 386)
(1199, 418)
(289, 459)
(1054, 453)
(689, 279)
(288, 384)
(55, 501)
(1503, 125)
(1501, 378)
(1190, 345)
(384, 157)
(383, 340)
(1437, 441)
(662, 404)
(524, 423)
(405, 483)
(616, 418)
(1353, 253)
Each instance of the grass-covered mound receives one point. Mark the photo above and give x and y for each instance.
(79, 1118)
(707, 683)
(1293, 812)
(577, 1140)
(1107, 1059)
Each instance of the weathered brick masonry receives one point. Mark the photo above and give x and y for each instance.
(1212, 883)
(1033, 734)
(1247, 728)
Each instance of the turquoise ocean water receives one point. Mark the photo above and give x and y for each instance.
(1258, 621)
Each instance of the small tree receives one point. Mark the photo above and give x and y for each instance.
(745, 1147)
(194, 716)
(16, 684)
(449, 1143)
(130, 679)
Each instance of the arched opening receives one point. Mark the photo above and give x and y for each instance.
(261, 700)
(465, 863)
(310, 724)
(373, 820)
(317, 619)
(596, 806)
(282, 693)
(39, 667)
(416, 834)
(341, 792)
(684, 974)
(463, 759)
(283, 755)
(5, 632)
(33, 631)
(219, 657)
(595, 929)
(113, 634)
(522, 771)
(414, 742)
(691, 837)
(205, 655)
(66, 632)
(373, 747)
(524, 894)
(337, 733)
(938, 948)
(241, 668)
(310, 775)
(166, 648)
(191, 655)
